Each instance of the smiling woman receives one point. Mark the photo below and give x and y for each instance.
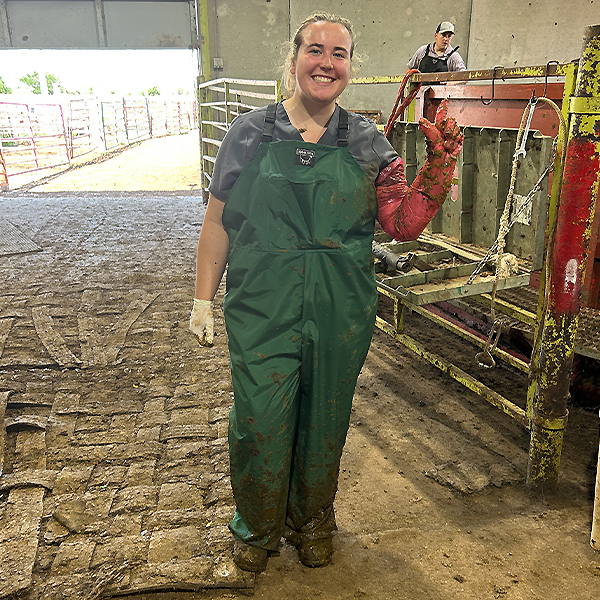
(294, 196)
(103, 72)
(321, 68)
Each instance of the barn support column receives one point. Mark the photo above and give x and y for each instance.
(568, 258)
(204, 74)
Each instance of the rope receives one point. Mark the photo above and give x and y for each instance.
(517, 213)
(396, 112)
(504, 224)
(503, 230)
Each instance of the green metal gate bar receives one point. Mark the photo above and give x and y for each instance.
(219, 102)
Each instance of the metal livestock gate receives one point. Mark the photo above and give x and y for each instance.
(565, 252)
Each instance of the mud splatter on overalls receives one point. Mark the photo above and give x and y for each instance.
(300, 310)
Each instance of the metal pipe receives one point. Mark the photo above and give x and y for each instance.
(3, 173)
(396, 329)
(475, 75)
(456, 373)
(571, 247)
(595, 536)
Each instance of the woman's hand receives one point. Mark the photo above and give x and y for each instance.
(202, 321)
(444, 142)
(443, 138)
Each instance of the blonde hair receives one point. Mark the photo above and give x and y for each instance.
(289, 80)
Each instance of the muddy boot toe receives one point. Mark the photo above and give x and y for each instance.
(292, 537)
(249, 558)
(316, 553)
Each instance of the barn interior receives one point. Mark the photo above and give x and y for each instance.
(471, 462)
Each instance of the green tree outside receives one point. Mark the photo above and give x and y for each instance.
(33, 81)
(153, 91)
(4, 89)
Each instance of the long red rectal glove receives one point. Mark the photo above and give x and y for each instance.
(404, 211)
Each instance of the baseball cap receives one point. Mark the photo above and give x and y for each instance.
(445, 27)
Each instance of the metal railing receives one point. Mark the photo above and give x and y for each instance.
(81, 141)
(220, 101)
(113, 124)
(129, 120)
(36, 136)
(32, 137)
(171, 117)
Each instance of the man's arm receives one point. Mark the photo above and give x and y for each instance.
(417, 57)
(456, 63)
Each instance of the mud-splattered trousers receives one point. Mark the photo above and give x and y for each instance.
(300, 311)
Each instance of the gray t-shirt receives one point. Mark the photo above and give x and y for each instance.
(366, 143)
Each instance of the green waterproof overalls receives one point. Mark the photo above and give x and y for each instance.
(300, 311)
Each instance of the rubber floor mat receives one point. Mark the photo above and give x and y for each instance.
(12, 241)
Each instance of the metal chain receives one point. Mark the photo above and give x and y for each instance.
(529, 198)
(484, 358)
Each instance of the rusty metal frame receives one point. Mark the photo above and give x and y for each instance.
(544, 415)
(37, 139)
(572, 228)
(3, 174)
(395, 330)
(553, 70)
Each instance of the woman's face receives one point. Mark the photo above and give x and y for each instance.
(322, 67)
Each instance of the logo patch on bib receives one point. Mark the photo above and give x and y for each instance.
(305, 157)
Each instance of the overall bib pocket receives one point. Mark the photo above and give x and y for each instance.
(301, 215)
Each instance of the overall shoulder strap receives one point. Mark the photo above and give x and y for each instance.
(267, 134)
(453, 51)
(343, 128)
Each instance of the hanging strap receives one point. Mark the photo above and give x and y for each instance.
(453, 51)
(343, 128)
(442, 58)
(267, 134)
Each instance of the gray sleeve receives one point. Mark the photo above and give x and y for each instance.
(456, 63)
(237, 148)
(413, 63)
(370, 148)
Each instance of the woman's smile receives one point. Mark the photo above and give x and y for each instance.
(322, 67)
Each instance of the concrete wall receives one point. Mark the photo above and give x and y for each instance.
(250, 35)
(528, 32)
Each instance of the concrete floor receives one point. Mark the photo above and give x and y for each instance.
(115, 469)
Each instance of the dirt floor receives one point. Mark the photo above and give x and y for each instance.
(113, 452)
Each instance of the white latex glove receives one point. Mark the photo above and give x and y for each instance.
(202, 321)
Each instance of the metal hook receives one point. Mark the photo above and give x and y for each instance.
(493, 80)
(533, 99)
(546, 74)
(485, 359)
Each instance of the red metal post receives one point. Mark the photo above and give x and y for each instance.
(3, 173)
(568, 266)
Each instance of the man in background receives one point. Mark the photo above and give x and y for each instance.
(439, 56)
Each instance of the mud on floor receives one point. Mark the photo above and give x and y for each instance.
(115, 463)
